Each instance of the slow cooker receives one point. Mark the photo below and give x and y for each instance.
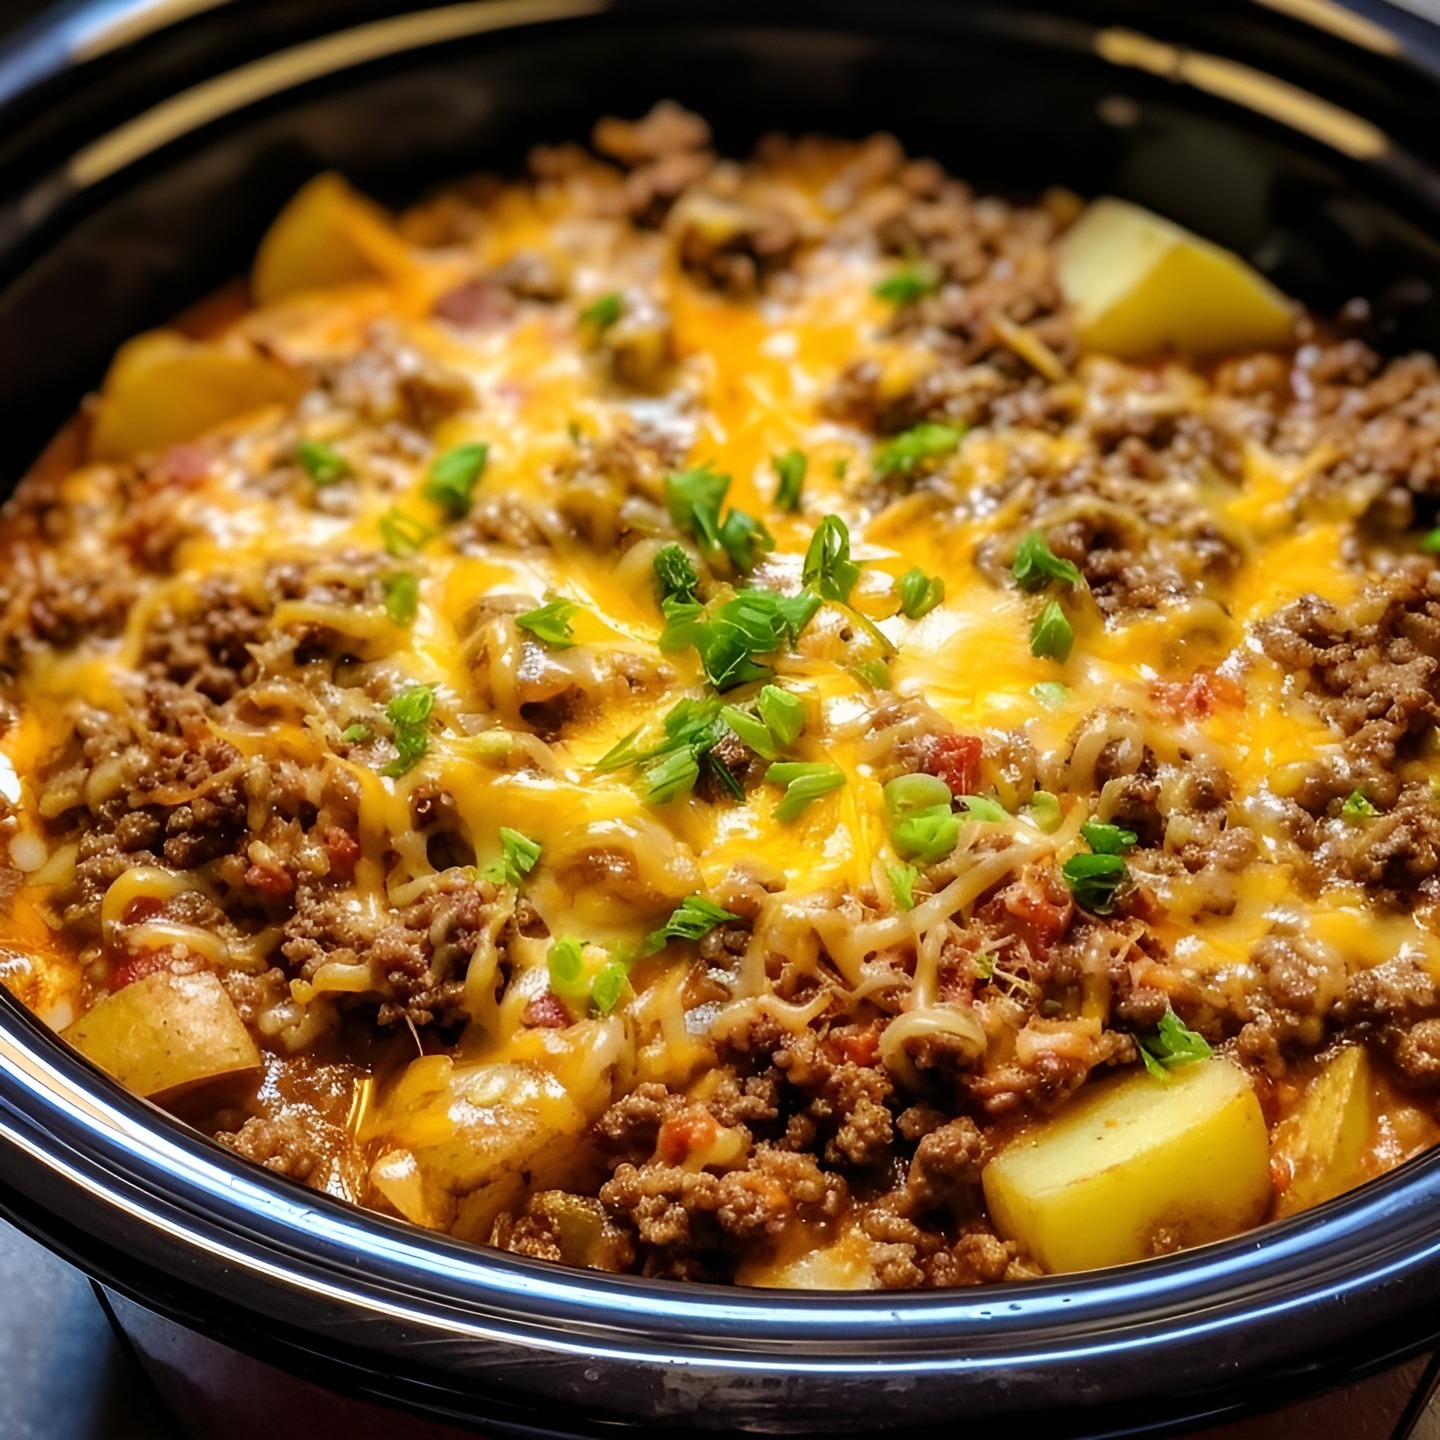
(143, 146)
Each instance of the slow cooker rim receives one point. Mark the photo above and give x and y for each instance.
(51, 1100)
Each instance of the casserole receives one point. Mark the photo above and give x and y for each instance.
(1397, 166)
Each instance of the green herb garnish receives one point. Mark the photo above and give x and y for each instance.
(323, 463)
(403, 534)
(1172, 1045)
(782, 712)
(454, 476)
(1431, 543)
(354, 734)
(1050, 693)
(902, 880)
(829, 571)
(402, 596)
(875, 673)
(906, 286)
(518, 854)
(742, 536)
(752, 730)
(674, 574)
(907, 451)
(790, 479)
(1106, 839)
(1053, 634)
(1045, 811)
(674, 775)
(565, 960)
(605, 992)
(550, 622)
(981, 807)
(694, 498)
(605, 311)
(1357, 806)
(919, 593)
(804, 781)
(409, 715)
(1036, 564)
(923, 826)
(693, 919)
(1094, 879)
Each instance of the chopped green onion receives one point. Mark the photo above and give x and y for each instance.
(906, 452)
(754, 732)
(1053, 634)
(902, 880)
(1357, 806)
(605, 311)
(790, 479)
(694, 498)
(1094, 879)
(906, 286)
(323, 463)
(1045, 811)
(1036, 564)
(409, 715)
(981, 807)
(782, 712)
(402, 596)
(804, 781)
(1431, 543)
(1050, 693)
(605, 992)
(355, 733)
(1172, 1045)
(550, 622)
(1106, 839)
(675, 774)
(565, 961)
(829, 570)
(741, 537)
(518, 854)
(693, 919)
(403, 534)
(923, 827)
(920, 593)
(985, 965)
(875, 673)
(675, 574)
(454, 476)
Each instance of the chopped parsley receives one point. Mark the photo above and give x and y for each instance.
(829, 571)
(1045, 812)
(919, 593)
(790, 479)
(323, 463)
(565, 960)
(1094, 879)
(1050, 693)
(409, 715)
(675, 575)
(605, 311)
(1035, 565)
(454, 476)
(518, 854)
(902, 880)
(550, 623)
(782, 712)
(693, 919)
(804, 782)
(1105, 839)
(907, 451)
(402, 596)
(403, 534)
(923, 826)
(1357, 806)
(906, 286)
(1172, 1045)
(1053, 635)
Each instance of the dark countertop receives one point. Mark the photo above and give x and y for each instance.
(66, 1377)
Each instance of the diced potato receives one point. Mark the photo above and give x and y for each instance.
(1138, 1161)
(166, 1032)
(461, 1143)
(327, 235)
(1323, 1142)
(1141, 285)
(844, 1264)
(163, 388)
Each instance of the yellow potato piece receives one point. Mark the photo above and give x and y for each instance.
(162, 389)
(327, 235)
(1323, 1141)
(166, 1032)
(1133, 1163)
(1141, 285)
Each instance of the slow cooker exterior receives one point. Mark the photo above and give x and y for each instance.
(146, 142)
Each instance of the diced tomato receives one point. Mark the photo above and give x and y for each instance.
(270, 881)
(136, 965)
(546, 1012)
(1200, 695)
(182, 466)
(692, 1130)
(344, 850)
(142, 908)
(860, 1047)
(956, 760)
(1038, 917)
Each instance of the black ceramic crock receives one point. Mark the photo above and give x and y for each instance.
(143, 146)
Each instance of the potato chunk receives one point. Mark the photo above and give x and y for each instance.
(1137, 1164)
(1141, 285)
(166, 1032)
(163, 388)
(327, 235)
(1323, 1142)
